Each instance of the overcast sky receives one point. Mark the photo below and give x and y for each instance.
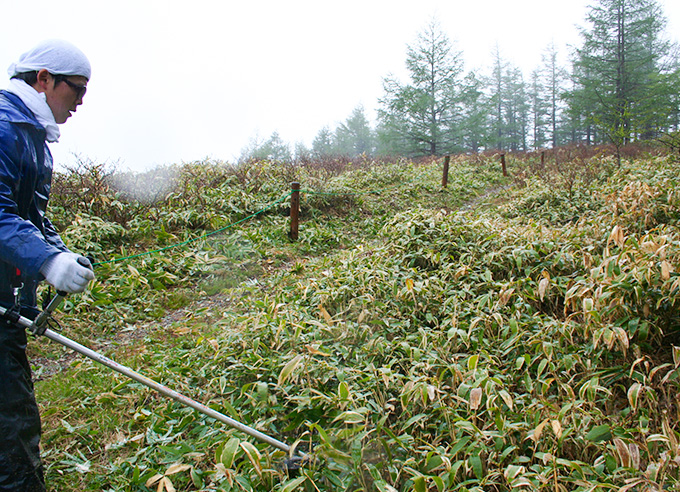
(178, 81)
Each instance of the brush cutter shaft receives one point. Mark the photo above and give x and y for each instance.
(126, 371)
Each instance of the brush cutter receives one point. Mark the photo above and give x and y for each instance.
(39, 326)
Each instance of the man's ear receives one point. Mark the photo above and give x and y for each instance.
(44, 80)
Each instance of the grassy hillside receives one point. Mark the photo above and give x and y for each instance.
(502, 333)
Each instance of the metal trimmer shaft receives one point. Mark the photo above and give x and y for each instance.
(126, 371)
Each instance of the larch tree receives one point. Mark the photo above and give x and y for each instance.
(554, 77)
(420, 118)
(355, 136)
(511, 106)
(621, 72)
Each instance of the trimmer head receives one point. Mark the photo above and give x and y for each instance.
(293, 464)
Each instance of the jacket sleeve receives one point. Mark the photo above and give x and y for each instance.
(52, 236)
(22, 244)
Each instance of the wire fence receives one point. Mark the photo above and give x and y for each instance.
(294, 224)
(294, 194)
(184, 243)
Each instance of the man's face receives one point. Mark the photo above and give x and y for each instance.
(65, 96)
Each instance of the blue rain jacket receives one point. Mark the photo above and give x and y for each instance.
(27, 238)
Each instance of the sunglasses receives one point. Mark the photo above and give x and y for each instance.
(80, 90)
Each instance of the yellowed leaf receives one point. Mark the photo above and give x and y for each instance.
(475, 398)
(253, 455)
(505, 296)
(409, 284)
(587, 261)
(623, 337)
(167, 484)
(556, 427)
(666, 270)
(676, 285)
(512, 471)
(623, 452)
(547, 458)
(315, 351)
(634, 452)
(177, 468)
(617, 236)
(634, 394)
(325, 315)
(153, 480)
(538, 431)
(649, 246)
(609, 338)
(506, 398)
(461, 271)
(543, 287)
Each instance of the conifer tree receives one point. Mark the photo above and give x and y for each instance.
(355, 137)
(623, 79)
(421, 118)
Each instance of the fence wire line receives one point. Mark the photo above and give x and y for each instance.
(184, 243)
(188, 241)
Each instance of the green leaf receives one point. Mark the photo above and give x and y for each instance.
(477, 466)
(439, 483)
(433, 462)
(414, 419)
(460, 444)
(288, 369)
(599, 433)
(419, 484)
(291, 485)
(229, 452)
(343, 391)
(197, 479)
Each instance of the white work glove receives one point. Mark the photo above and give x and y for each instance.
(68, 272)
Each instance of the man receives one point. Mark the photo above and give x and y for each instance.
(47, 84)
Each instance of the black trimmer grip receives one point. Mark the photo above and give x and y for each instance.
(83, 262)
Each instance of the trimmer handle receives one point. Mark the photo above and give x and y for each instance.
(39, 324)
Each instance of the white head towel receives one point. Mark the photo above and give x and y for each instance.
(56, 56)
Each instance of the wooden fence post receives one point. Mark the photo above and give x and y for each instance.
(445, 175)
(505, 170)
(294, 211)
